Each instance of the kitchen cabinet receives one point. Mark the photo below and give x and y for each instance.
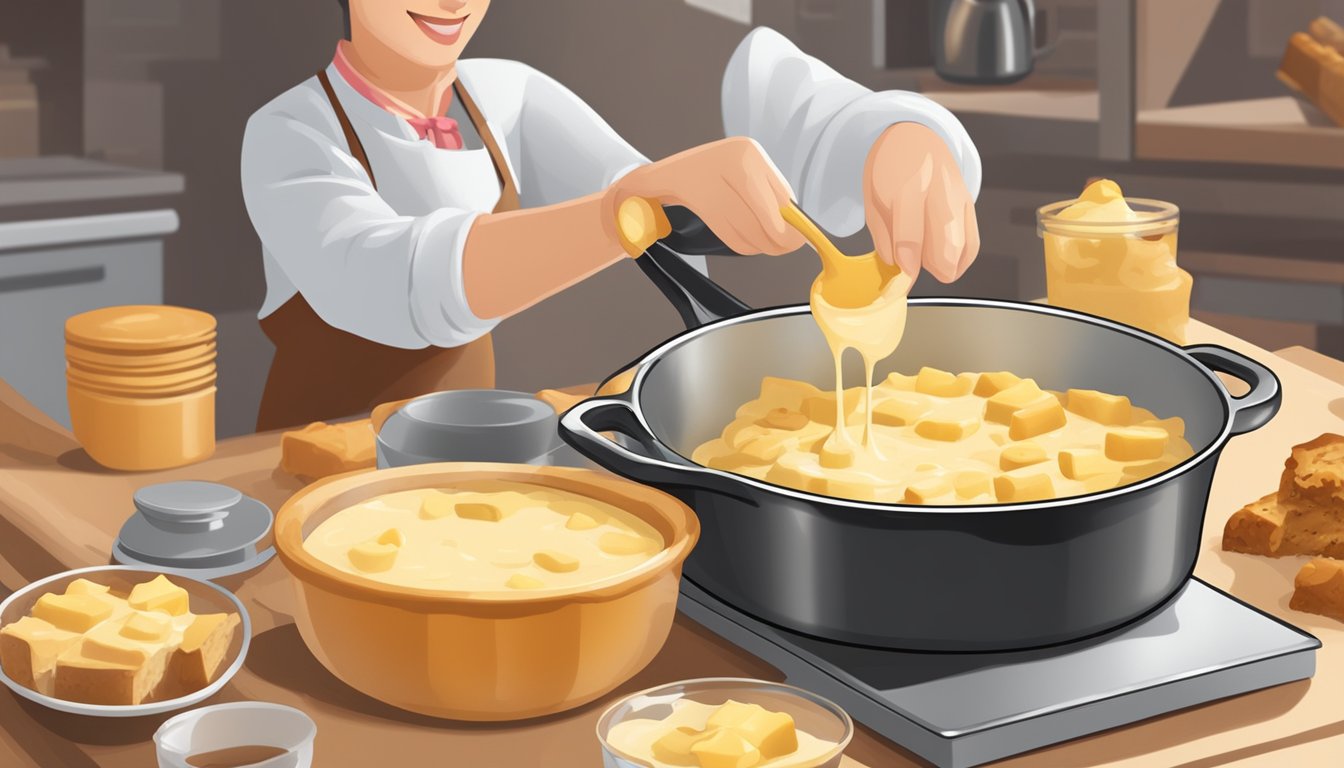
(51, 269)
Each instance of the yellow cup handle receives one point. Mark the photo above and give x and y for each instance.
(640, 223)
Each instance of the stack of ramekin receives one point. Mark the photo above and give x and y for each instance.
(140, 381)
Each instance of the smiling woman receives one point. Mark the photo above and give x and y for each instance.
(408, 200)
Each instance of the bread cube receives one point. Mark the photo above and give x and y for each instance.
(1319, 588)
(932, 381)
(990, 384)
(72, 613)
(1000, 407)
(1136, 443)
(726, 748)
(1021, 485)
(1019, 455)
(947, 429)
(1113, 410)
(159, 594)
(1082, 463)
(556, 562)
(900, 409)
(1037, 419)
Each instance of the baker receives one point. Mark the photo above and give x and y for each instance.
(408, 200)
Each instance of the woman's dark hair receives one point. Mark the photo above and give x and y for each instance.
(345, 13)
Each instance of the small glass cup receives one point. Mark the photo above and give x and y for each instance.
(1124, 270)
(811, 713)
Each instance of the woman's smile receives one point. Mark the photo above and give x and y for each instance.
(445, 31)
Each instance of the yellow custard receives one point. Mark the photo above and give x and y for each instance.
(874, 331)
(485, 536)
(731, 735)
(945, 439)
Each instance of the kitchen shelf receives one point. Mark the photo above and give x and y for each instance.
(1271, 131)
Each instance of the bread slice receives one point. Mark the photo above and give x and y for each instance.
(29, 649)
(1255, 529)
(194, 663)
(1314, 472)
(1319, 588)
(1300, 67)
(1326, 32)
(320, 450)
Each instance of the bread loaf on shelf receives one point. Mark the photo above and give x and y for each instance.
(1313, 65)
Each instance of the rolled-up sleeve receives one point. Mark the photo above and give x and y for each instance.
(818, 126)
(363, 267)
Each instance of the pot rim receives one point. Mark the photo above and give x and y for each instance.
(308, 569)
(645, 364)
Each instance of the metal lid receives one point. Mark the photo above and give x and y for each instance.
(194, 525)
(469, 425)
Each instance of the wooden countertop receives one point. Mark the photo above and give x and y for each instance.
(58, 510)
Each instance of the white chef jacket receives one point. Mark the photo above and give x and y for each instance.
(386, 263)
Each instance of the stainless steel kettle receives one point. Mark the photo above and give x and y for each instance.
(984, 41)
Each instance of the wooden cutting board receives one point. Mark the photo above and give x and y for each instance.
(58, 510)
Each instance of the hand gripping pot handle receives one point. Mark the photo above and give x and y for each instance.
(1254, 409)
(582, 427)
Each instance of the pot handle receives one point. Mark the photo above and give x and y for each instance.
(1254, 409)
(582, 425)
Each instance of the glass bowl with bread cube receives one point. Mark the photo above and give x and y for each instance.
(120, 641)
(715, 722)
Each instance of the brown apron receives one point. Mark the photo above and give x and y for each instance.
(320, 372)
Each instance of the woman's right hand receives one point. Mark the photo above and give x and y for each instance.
(730, 184)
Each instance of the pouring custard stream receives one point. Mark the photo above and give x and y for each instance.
(859, 303)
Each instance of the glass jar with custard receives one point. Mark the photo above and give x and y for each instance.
(1113, 256)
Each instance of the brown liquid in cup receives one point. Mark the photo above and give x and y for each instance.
(235, 757)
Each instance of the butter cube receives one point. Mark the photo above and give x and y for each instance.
(160, 594)
(1114, 410)
(899, 382)
(556, 562)
(1021, 455)
(732, 713)
(1082, 463)
(821, 408)
(115, 648)
(1037, 419)
(436, 506)
(674, 747)
(947, 429)
(1027, 484)
(970, 484)
(725, 749)
(765, 449)
(72, 613)
(523, 581)
(147, 627)
(86, 587)
(785, 393)
(480, 511)
(1175, 426)
(932, 381)
(773, 733)
(378, 554)
(928, 490)
(1000, 407)
(783, 418)
(624, 544)
(1136, 443)
(900, 410)
(1101, 191)
(990, 384)
(580, 521)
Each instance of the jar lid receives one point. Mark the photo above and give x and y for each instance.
(205, 529)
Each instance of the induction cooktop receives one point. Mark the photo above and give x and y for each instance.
(960, 710)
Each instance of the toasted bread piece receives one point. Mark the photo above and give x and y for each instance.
(320, 450)
(1314, 472)
(1327, 32)
(194, 664)
(29, 649)
(1255, 529)
(1300, 67)
(1319, 588)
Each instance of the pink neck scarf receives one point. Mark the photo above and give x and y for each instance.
(442, 131)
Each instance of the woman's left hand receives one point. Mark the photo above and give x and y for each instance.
(919, 211)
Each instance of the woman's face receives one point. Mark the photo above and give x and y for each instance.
(431, 33)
